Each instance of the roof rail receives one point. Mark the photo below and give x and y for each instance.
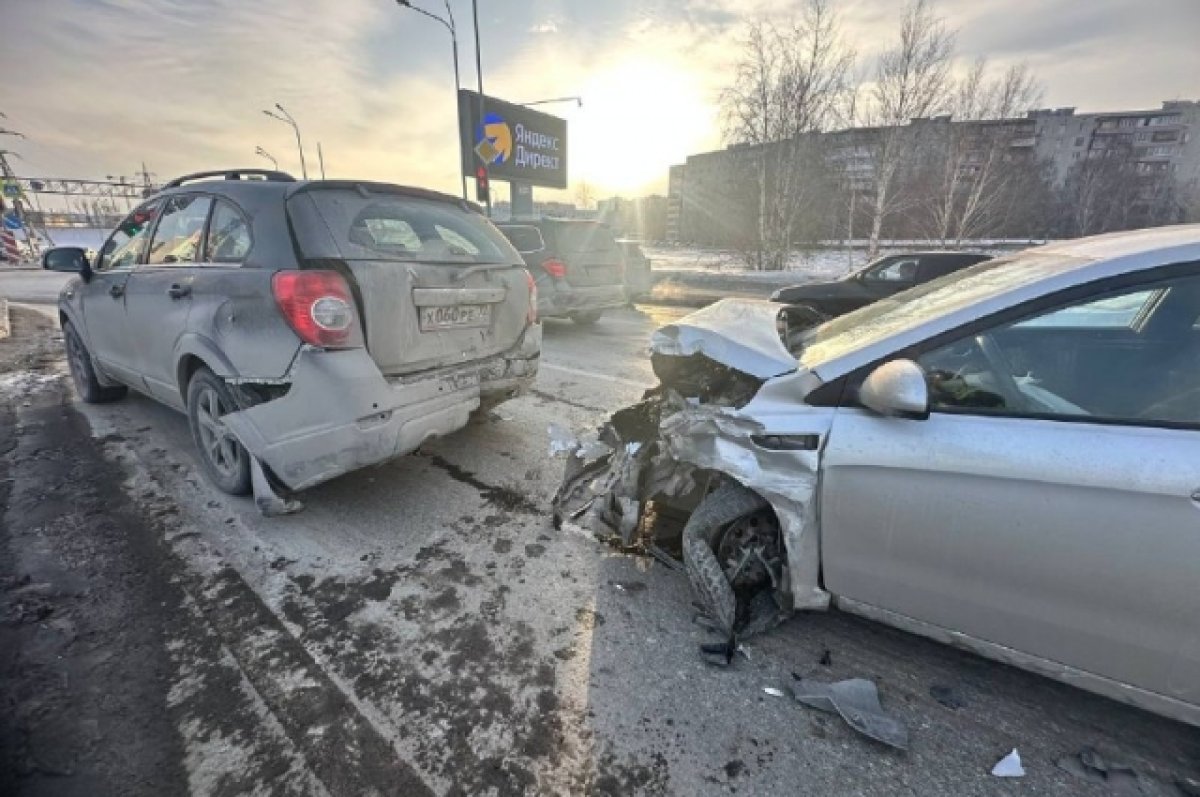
(233, 174)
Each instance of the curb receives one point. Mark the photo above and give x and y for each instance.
(5, 327)
(698, 290)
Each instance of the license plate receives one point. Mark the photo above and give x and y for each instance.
(462, 316)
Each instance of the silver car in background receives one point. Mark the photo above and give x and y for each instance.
(1006, 459)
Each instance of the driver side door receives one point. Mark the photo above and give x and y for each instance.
(1062, 523)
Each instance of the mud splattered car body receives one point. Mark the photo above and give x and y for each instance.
(334, 324)
(938, 463)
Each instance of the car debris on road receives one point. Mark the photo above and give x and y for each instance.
(855, 700)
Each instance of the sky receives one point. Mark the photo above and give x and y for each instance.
(99, 86)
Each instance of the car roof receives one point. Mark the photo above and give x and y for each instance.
(263, 190)
(975, 292)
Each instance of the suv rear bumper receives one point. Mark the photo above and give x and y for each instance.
(342, 414)
(567, 300)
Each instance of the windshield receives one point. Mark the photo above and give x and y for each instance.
(906, 310)
(382, 226)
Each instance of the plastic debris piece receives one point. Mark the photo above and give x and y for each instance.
(561, 440)
(947, 696)
(1088, 763)
(744, 651)
(857, 702)
(1009, 766)
(772, 691)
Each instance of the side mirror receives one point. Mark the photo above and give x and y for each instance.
(70, 259)
(896, 389)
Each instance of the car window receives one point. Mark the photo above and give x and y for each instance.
(934, 267)
(382, 225)
(177, 237)
(899, 270)
(526, 238)
(228, 235)
(456, 241)
(124, 247)
(1129, 356)
(1119, 312)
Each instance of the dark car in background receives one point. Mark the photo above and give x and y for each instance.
(307, 328)
(877, 280)
(578, 266)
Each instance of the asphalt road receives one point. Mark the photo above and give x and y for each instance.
(433, 597)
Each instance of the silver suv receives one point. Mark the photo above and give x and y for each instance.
(306, 328)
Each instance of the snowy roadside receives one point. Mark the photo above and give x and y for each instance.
(695, 276)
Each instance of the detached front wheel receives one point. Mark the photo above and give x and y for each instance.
(223, 457)
(732, 550)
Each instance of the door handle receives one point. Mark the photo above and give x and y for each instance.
(116, 291)
(179, 291)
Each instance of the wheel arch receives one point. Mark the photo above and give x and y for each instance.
(195, 352)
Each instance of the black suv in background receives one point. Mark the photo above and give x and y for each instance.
(578, 266)
(876, 280)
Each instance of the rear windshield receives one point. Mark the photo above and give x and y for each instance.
(583, 236)
(524, 237)
(353, 225)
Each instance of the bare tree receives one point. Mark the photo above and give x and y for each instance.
(912, 81)
(789, 86)
(977, 155)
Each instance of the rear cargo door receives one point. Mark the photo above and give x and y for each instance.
(590, 252)
(436, 283)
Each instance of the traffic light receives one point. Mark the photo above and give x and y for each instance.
(481, 184)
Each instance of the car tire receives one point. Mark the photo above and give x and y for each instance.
(83, 372)
(225, 461)
(585, 318)
(702, 537)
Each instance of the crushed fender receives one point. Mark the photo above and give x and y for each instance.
(691, 440)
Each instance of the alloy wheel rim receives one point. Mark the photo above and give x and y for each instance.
(217, 443)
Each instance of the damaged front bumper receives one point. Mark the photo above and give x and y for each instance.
(340, 413)
(728, 410)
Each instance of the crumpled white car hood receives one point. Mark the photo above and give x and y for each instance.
(738, 333)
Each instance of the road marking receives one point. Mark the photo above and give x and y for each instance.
(594, 375)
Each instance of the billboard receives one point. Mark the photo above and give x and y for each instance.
(516, 143)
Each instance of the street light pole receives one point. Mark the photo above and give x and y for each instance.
(287, 118)
(263, 153)
(479, 78)
(453, 29)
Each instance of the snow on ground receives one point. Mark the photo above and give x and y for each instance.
(811, 264)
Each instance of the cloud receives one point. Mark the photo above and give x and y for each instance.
(106, 84)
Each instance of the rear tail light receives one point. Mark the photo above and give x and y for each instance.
(318, 306)
(531, 315)
(555, 267)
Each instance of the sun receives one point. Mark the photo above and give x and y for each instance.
(639, 116)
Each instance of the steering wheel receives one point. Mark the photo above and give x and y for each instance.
(1001, 371)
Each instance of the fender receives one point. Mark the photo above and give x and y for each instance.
(192, 344)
